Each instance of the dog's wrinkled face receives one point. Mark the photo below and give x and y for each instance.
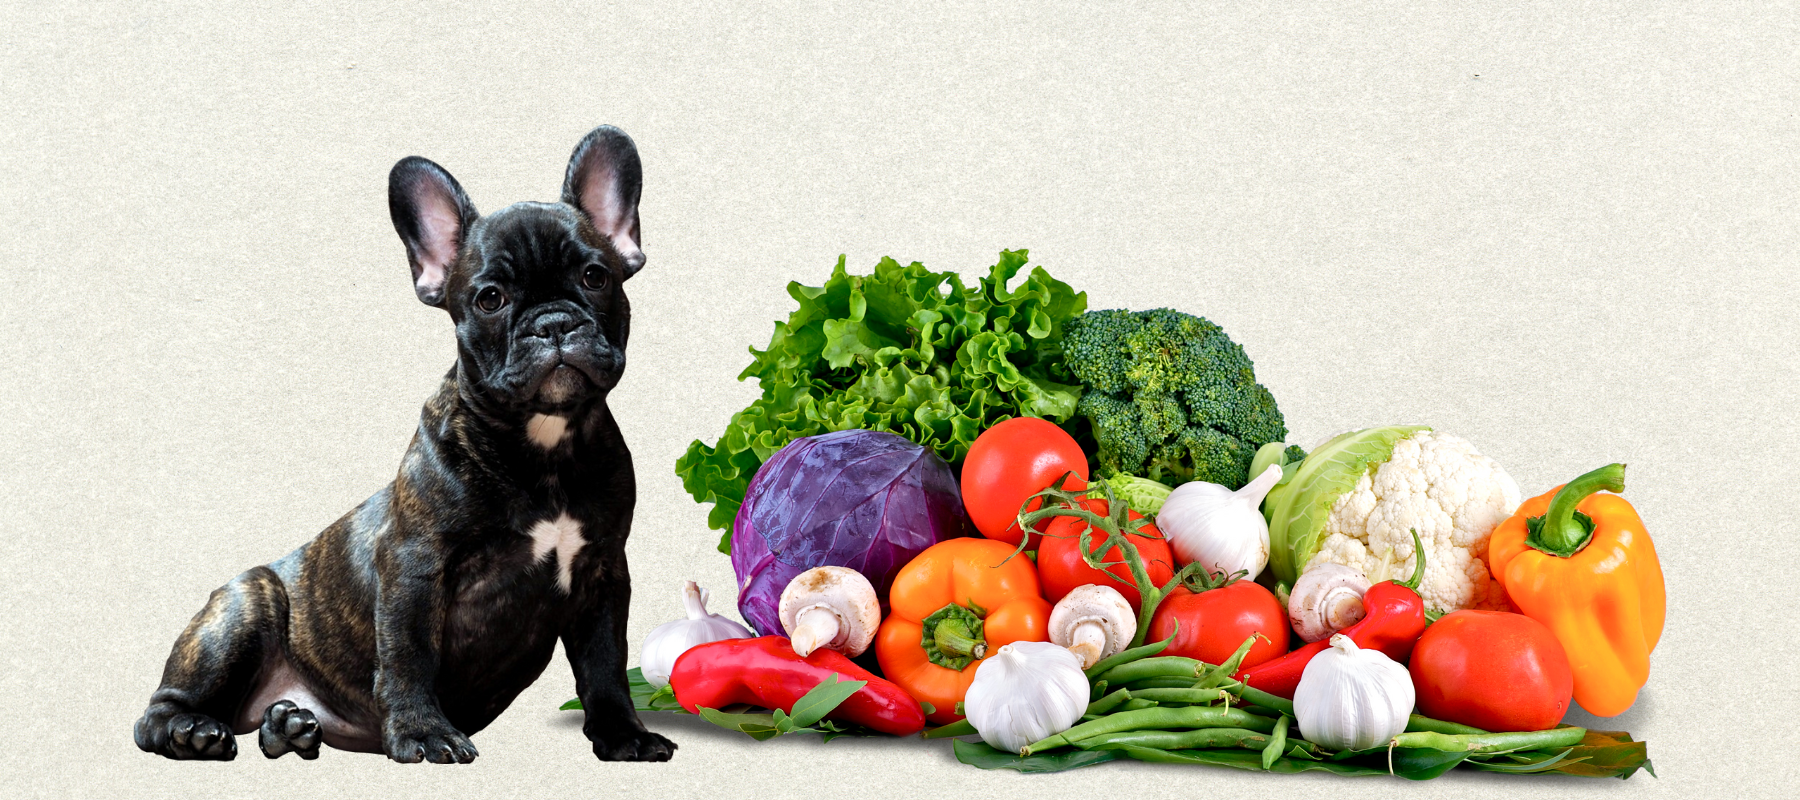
(537, 289)
(539, 303)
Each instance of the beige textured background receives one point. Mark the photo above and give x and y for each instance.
(1567, 236)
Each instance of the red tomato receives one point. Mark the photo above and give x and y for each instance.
(1216, 621)
(1060, 568)
(1493, 670)
(1010, 462)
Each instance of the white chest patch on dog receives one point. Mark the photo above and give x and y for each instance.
(547, 430)
(561, 536)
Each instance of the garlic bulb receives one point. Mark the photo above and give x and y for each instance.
(671, 639)
(1350, 698)
(1024, 692)
(1222, 529)
(1328, 598)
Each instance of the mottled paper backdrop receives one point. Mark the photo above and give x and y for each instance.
(1569, 237)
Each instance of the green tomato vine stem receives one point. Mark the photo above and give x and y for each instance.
(1060, 503)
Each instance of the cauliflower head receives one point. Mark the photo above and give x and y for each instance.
(1453, 495)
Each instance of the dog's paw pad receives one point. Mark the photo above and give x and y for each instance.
(288, 728)
(187, 737)
(641, 746)
(446, 746)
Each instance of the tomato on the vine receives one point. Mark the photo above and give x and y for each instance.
(1215, 621)
(1009, 463)
(1061, 568)
(1492, 669)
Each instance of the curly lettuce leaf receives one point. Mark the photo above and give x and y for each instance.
(903, 349)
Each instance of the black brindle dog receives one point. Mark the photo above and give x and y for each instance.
(415, 619)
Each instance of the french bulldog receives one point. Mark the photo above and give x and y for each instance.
(414, 620)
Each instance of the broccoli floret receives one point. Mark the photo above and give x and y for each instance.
(1169, 396)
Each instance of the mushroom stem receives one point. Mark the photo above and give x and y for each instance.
(1088, 641)
(1345, 610)
(814, 627)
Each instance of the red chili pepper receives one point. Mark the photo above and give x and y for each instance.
(766, 672)
(1394, 621)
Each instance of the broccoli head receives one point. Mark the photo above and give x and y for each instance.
(1169, 396)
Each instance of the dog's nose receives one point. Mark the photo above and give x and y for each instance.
(554, 325)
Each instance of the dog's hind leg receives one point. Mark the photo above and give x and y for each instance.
(213, 667)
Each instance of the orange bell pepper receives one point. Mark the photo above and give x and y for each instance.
(1582, 564)
(953, 605)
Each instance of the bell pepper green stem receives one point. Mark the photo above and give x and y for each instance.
(1562, 531)
(955, 638)
(952, 637)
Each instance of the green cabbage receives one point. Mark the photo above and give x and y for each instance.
(905, 350)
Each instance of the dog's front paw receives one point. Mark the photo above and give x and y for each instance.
(634, 746)
(170, 733)
(438, 743)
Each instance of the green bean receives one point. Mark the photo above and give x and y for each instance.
(1098, 691)
(1177, 740)
(1160, 683)
(1179, 695)
(1416, 723)
(1222, 673)
(1255, 696)
(1136, 704)
(1277, 742)
(1491, 742)
(1157, 719)
(1107, 703)
(1128, 656)
(1159, 667)
(961, 727)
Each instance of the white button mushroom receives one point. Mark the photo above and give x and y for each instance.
(1094, 622)
(830, 607)
(1328, 598)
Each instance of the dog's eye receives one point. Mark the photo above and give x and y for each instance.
(594, 277)
(490, 299)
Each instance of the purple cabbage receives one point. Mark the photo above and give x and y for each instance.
(867, 500)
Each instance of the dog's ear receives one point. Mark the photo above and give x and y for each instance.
(604, 180)
(431, 214)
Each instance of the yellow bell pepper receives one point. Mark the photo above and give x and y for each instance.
(1582, 564)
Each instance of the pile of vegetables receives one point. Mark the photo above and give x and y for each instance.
(1063, 538)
